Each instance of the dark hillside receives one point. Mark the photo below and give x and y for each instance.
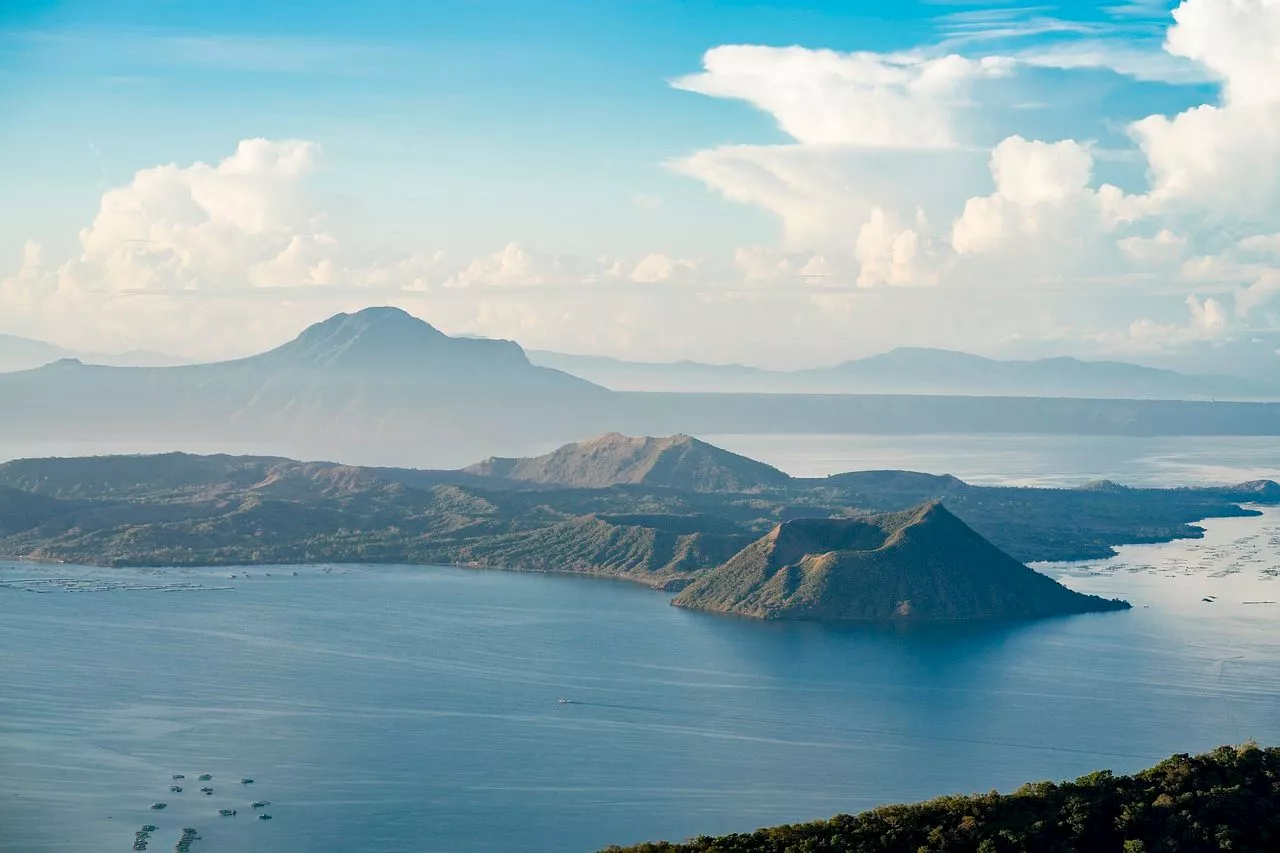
(921, 564)
(1228, 799)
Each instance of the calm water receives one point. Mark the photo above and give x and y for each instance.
(397, 709)
(1024, 460)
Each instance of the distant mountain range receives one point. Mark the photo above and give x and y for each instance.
(25, 354)
(905, 370)
(381, 387)
(916, 370)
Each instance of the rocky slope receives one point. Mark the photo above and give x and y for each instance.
(676, 462)
(921, 564)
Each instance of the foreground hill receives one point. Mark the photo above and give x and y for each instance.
(1228, 799)
(919, 564)
(676, 462)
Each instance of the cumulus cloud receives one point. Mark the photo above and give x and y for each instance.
(1260, 292)
(821, 97)
(518, 266)
(193, 258)
(889, 254)
(768, 264)
(1165, 246)
(1043, 210)
(1207, 320)
(866, 127)
(656, 267)
(1222, 159)
(182, 228)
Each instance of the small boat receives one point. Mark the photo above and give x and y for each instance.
(227, 812)
(174, 789)
(151, 827)
(206, 777)
(246, 781)
(564, 701)
(159, 806)
(257, 804)
(178, 776)
(264, 817)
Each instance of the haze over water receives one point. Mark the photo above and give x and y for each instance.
(1041, 460)
(386, 709)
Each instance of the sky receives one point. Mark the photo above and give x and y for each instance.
(783, 184)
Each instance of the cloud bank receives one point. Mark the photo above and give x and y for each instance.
(917, 204)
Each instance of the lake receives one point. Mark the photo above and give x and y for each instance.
(399, 708)
(1024, 460)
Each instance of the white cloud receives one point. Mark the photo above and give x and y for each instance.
(822, 194)
(889, 254)
(1264, 288)
(1165, 246)
(1207, 320)
(766, 264)
(512, 266)
(246, 221)
(1141, 62)
(1236, 40)
(181, 257)
(1042, 204)
(656, 267)
(1222, 159)
(1260, 244)
(821, 97)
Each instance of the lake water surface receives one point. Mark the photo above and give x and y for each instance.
(1023, 460)
(397, 708)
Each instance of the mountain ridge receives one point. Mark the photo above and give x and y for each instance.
(19, 353)
(678, 461)
(918, 370)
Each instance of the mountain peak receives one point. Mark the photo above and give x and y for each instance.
(392, 339)
(922, 563)
(676, 461)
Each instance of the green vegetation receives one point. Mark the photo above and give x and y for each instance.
(918, 564)
(1228, 799)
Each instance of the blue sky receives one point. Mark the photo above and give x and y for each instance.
(467, 128)
(448, 118)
